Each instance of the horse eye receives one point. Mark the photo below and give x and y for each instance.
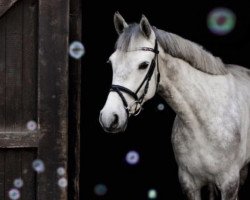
(143, 65)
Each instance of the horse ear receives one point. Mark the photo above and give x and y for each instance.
(119, 23)
(145, 26)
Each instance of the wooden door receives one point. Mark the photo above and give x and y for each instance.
(33, 96)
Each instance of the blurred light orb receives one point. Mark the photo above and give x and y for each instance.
(100, 189)
(221, 21)
(76, 50)
(132, 157)
(61, 171)
(25, 171)
(152, 194)
(62, 182)
(38, 166)
(18, 183)
(31, 125)
(160, 107)
(14, 194)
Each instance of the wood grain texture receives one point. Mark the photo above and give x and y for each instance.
(16, 164)
(34, 86)
(28, 191)
(18, 66)
(53, 95)
(6, 5)
(18, 95)
(19, 139)
(2, 73)
(29, 64)
(13, 67)
(12, 169)
(2, 173)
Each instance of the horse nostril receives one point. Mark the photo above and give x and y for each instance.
(114, 124)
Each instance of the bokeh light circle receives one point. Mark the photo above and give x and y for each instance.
(160, 107)
(31, 125)
(221, 21)
(38, 166)
(14, 194)
(132, 157)
(18, 183)
(100, 189)
(62, 182)
(76, 50)
(152, 194)
(61, 171)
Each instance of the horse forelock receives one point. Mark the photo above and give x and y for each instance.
(129, 35)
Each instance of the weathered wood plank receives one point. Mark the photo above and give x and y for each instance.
(2, 74)
(29, 74)
(19, 139)
(6, 5)
(14, 67)
(2, 154)
(13, 169)
(53, 94)
(28, 175)
(74, 102)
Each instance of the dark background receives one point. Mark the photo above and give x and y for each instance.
(103, 154)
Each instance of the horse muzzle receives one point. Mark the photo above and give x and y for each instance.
(112, 123)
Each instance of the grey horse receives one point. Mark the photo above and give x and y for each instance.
(211, 99)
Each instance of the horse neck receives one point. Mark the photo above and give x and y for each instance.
(188, 90)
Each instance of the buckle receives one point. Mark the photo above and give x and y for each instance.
(137, 109)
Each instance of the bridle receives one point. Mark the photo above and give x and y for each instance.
(138, 100)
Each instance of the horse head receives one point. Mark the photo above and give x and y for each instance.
(135, 73)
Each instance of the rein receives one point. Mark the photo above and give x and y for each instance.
(138, 100)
